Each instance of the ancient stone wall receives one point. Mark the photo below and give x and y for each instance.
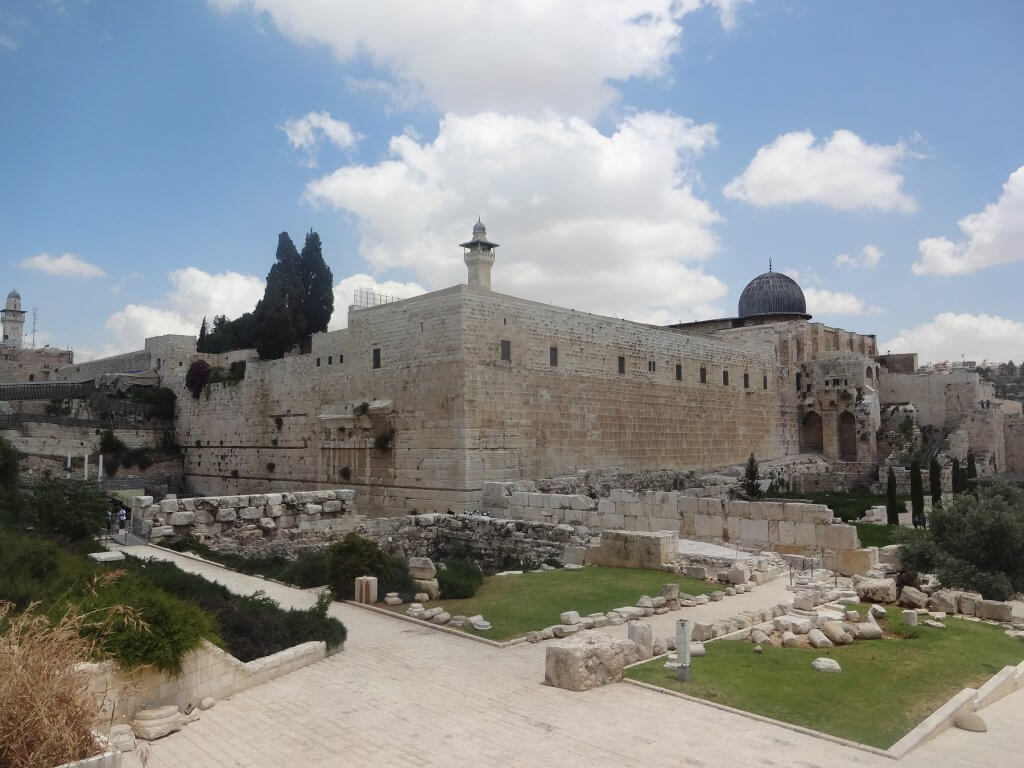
(43, 439)
(1014, 436)
(776, 525)
(634, 549)
(126, 363)
(942, 399)
(239, 522)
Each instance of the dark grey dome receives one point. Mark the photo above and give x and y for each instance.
(772, 293)
(478, 228)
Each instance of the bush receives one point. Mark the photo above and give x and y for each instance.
(350, 558)
(10, 463)
(74, 509)
(459, 579)
(395, 577)
(384, 438)
(161, 398)
(111, 443)
(197, 377)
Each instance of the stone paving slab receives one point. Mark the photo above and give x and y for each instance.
(402, 695)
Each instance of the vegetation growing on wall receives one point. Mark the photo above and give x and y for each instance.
(197, 377)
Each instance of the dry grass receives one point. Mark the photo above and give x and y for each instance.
(47, 709)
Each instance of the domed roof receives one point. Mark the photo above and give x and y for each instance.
(13, 295)
(772, 293)
(479, 229)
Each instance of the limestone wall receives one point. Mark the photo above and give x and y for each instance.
(230, 522)
(942, 399)
(1014, 433)
(776, 525)
(634, 549)
(206, 671)
(126, 363)
(42, 439)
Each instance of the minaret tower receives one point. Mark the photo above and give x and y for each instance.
(479, 257)
(13, 320)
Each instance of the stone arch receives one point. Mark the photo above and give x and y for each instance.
(867, 373)
(847, 436)
(811, 439)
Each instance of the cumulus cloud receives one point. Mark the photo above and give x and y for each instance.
(520, 56)
(869, 257)
(607, 223)
(345, 288)
(824, 302)
(949, 335)
(992, 236)
(65, 265)
(842, 172)
(194, 294)
(305, 133)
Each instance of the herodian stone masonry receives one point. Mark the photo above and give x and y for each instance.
(419, 402)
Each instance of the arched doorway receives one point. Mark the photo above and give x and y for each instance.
(867, 373)
(847, 436)
(811, 433)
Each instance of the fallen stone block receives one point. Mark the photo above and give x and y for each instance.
(422, 568)
(642, 635)
(822, 664)
(589, 662)
(934, 624)
(909, 617)
(570, 617)
(944, 600)
(834, 631)
(817, 639)
(207, 703)
(994, 610)
(150, 724)
(968, 603)
(911, 597)
(877, 612)
(564, 630)
(789, 640)
(441, 618)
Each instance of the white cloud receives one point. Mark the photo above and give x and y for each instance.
(842, 172)
(8, 42)
(992, 236)
(520, 56)
(65, 265)
(344, 289)
(949, 335)
(305, 133)
(195, 294)
(870, 255)
(606, 223)
(824, 302)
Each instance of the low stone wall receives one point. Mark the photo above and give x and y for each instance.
(777, 525)
(238, 522)
(632, 549)
(206, 671)
(496, 544)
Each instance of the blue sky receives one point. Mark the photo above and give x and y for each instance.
(643, 158)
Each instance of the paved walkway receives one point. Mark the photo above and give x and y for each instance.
(403, 694)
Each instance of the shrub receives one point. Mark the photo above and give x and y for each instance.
(892, 504)
(71, 508)
(749, 483)
(351, 557)
(395, 577)
(46, 714)
(197, 377)
(111, 443)
(161, 399)
(459, 579)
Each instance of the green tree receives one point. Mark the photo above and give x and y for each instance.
(201, 341)
(749, 484)
(972, 472)
(75, 509)
(892, 504)
(317, 299)
(935, 481)
(956, 478)
(10, 498)
(916, 494)
(279, 319)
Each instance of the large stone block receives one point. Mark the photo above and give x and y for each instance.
(226, 515)
(851, 562)
(250, 513)
(181, 518)
(588, 662)
(422, 568)
(642, 635)
(708, 526)
(877, 590)
(994, 610)
(753, 530)
(968, 603)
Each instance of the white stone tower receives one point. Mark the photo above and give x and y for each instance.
(13, 321)
(479, 257)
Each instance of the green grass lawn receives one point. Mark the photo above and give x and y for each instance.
(874, 535)
(886, 688)
(514, 605)
(849, 505)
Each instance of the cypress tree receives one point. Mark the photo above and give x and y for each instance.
(317, 299)
(957, 480)
(892, 504)
(203, 333)
(750, 485)
(916, 493)
(935, 481)
(972, 471)
(278, 320)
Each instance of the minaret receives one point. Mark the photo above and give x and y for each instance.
(479, 257)
(13, 321)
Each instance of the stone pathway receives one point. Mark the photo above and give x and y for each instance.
(402, 694)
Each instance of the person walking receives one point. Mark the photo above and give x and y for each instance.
(122, 520)
(110, 523)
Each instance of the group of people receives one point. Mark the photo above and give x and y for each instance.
(116, 514)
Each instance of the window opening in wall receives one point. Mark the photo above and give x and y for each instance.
(376, 357)
(798, 382)
(764, 382)
(650, 366)
(846, 382)
(679, 372)
(421, 326)
(703, 375)
(746, 381)
(504, 321)
(341, 359)
(622, 364)
(725, 378)
(506, 350)
(330, 359)
(553, 357)
(318, 362)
